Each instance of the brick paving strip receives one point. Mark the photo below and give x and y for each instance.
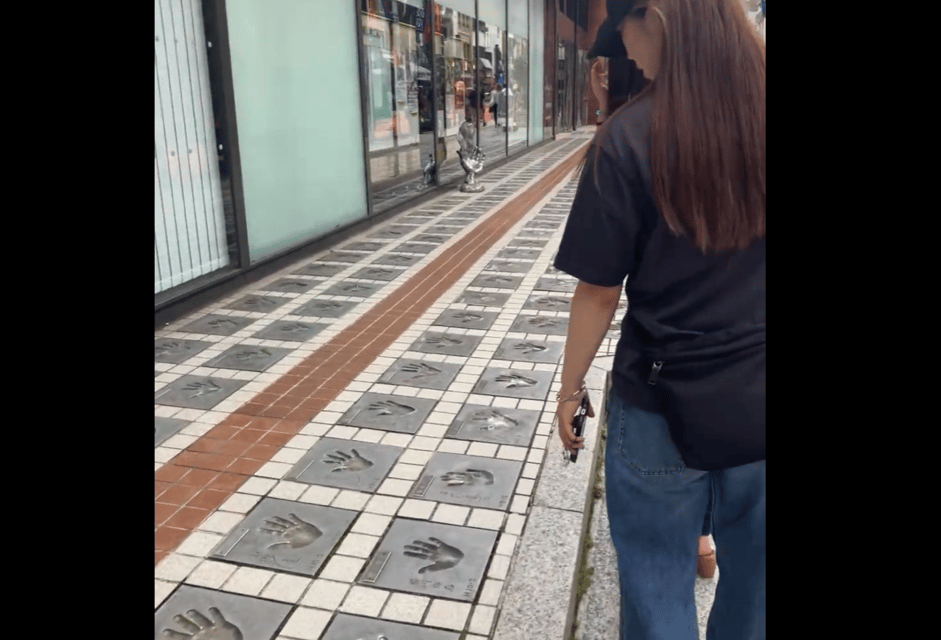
(190, 486)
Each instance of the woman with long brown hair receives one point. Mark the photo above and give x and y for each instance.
(672, 200)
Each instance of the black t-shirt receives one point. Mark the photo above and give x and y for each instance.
(674, 291)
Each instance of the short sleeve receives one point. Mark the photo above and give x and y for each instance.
(599, 245)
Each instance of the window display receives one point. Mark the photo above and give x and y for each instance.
(518, 76)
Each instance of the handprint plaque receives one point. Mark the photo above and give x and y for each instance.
(418, 373)
(193, 613)
(468, 480)
(427, 558)
(514, 384)
(287, 536)
(388, 413)
(491, 424)
(360, 466)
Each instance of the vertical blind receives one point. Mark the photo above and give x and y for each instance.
(189, 220)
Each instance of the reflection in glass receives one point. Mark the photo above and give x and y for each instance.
(492, 62)
(518, 75)
(455, 96)
(396, 48)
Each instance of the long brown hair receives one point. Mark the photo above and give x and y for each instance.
(707, 136)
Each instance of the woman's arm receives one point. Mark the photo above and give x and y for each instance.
(590, 315)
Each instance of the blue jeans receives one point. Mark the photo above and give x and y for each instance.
(655, 507)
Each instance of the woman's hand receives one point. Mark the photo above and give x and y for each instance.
(564, 414)
(599, 82)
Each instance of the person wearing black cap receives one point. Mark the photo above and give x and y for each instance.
(671, 200)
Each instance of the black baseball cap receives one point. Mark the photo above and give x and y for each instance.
(608, 43)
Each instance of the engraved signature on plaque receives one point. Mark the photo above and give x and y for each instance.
(355, 288)
(324, 305)
(400, 258)
(442, 342)
(199, 627)
(293, 327)
(294, 532)
(347, 462)
(440, 554)
(468, 478)
(513, 380)
(493, 419)
(380, 272)
(391, 408)
(553, 302)
(420, 369)
(202, 388)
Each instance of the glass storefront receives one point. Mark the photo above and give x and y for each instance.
(492, 65)
(399, 115)
(518, 75)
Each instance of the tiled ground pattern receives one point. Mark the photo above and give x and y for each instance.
(412, 527)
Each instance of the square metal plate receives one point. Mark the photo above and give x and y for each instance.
(416, 373)
(448, 229)
(494, 424)
(290, 331)
(166, 427)
(484, 298)
(443, 561)
(544, 302)
(248, 358)
(320, 270)
(176, 351)
(289, 285)
(345, 464)
(325, 308)
(566, 284)
(416, 247)
(529, 350)
(286, 536)
(259, 304)
(241, 616)
(519, 254)
(368, 247)
(385, 274)
(466, 319)
(470, 481)
(388, 413)
(347, 627)
(535, 233)
(515, 384)
(353, 289)
(341, 256)
(197, 392)
(507, 266)
(493, 281)
(432, 237)
(397, 259)
(446, 343)
(218, 325)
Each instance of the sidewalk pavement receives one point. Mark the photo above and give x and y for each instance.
(362, 444)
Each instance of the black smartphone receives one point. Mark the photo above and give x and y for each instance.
(578, 425)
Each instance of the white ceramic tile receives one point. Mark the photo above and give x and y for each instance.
(482, 620)
(403, 607)
(342, 432)
(395, 487)
(357, 545)
(287, 490)
(325, 594)
(199, 544)
(288, 456)
(240, 503)
(397, 439)
(306, 624)
(369, 435)
(220, 522)
(364, 601)
(514, 524)
(404, 471)
(161, 591)
(486, 519)
(286, 588)
(453, 446)
(342, 568)
(248, 581)
(450, 514)
(484, 449)
(525, 487)
(211, 574)
(490, 594)
(424, 443)
(447, 614)
(257, 486)
(175, 567)
(383, 505)
(371, 523)
(353, 500)
(430, 430)
(419, 509)
(319, 495)
(315, 429)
